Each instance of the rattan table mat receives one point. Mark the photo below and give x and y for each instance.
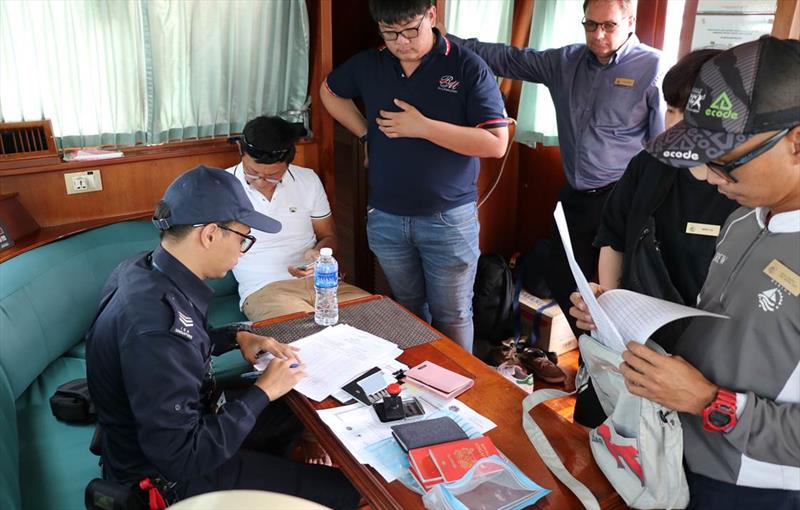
(381, 317)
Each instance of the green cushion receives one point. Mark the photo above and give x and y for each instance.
(9, 447)
(55, 462)
(48, 296)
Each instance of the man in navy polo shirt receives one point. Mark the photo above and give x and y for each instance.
(432, 109)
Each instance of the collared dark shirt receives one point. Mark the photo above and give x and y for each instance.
(148, 361)
(412, 176)
(605, 114)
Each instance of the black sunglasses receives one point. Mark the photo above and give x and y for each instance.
(247, 240)
(723, 170)
(262, 156)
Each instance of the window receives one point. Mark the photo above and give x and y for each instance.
(486, 20)
(152, 71)
(555, 23)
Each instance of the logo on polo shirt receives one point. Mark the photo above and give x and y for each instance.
(697, 96)
(722, 108)
(449, 84)
(770, 300)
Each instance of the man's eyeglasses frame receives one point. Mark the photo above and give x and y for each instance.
(247, 240)
(724, 170)
(408, 33)
(608, 26)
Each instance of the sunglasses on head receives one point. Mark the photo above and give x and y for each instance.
(262, 156)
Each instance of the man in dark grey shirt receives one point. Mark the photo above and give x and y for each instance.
(736, 382)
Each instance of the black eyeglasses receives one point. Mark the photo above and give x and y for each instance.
(608, 26)
(247, 240)
(262, 156)
(723, 170)
(408, 33)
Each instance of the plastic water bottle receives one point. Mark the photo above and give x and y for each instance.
(326, 283)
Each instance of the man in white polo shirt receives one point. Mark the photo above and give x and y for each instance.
(276, 275)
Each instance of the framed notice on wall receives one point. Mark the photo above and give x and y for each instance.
(725, 23)
(715, 31)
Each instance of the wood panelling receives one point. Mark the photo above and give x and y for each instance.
(498, 215)
(651, 16)
(787, 20)
(128, 187)
(320, 19)
(540, 178)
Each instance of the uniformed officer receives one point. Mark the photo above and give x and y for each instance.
(149, 360)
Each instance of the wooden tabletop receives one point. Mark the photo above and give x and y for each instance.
(495, 398)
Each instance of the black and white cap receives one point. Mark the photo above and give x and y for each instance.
(748, 89)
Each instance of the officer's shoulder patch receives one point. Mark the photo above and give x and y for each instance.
(183, 324)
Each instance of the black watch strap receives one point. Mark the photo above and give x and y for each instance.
(363, 139)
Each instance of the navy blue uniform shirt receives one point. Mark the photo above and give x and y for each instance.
(412, 176)
(148, 362)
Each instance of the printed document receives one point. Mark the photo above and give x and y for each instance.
(622, 315)
(336, 355)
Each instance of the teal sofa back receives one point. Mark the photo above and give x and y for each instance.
(48, 298)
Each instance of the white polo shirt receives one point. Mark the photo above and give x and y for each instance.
(298, 199)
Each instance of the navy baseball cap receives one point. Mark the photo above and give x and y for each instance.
(748, 89)
(209, 195)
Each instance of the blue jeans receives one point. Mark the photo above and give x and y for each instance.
(430, 262)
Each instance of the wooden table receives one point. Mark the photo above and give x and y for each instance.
(492, 396)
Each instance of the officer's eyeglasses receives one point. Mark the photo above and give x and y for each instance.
(608, 26)
(247, 240)
(408, 33)
(724, 170)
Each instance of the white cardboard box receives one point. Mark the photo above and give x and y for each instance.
(554, 331)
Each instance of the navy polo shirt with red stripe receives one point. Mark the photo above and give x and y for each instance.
(412, 176)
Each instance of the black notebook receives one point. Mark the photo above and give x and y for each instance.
(427, 433)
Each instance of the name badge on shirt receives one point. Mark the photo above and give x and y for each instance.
(784, 276)
(702, 229)
(624, 82)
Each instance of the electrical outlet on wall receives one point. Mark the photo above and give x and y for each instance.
(83, 182)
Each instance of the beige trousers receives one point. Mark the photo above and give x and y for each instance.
(291, 296)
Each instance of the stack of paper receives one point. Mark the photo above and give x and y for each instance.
(337, 355)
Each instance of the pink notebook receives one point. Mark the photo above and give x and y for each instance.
(441, 381)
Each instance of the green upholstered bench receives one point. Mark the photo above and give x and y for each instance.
(48, 297)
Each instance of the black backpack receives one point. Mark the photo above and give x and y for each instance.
(493, 298)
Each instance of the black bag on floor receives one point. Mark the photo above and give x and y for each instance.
(494, 295)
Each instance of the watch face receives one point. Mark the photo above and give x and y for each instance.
(719, 419)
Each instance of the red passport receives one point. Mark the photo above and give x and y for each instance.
(454, 459)
(422, 465)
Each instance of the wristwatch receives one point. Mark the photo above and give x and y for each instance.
(236, 328)
(720, 415)
(363, 138)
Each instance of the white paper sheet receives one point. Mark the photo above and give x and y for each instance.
(638, 316)
(607, 332)
(622, 315)
(337, 355)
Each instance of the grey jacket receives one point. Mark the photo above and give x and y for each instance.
(755, 353)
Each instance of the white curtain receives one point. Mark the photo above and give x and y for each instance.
(488, 20)
(555, 23)
(78, 63)
(151, 71)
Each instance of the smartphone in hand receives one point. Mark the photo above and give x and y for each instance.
(303, 267)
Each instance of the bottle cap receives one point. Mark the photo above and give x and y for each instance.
(326, 252)
(393, 389)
